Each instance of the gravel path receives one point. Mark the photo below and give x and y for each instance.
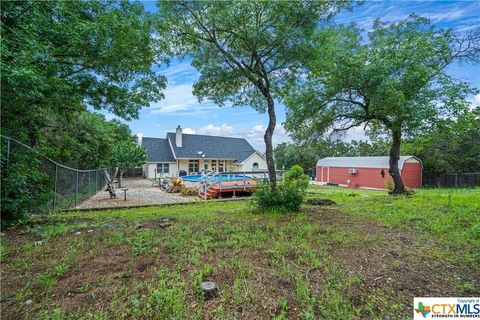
(140, 192)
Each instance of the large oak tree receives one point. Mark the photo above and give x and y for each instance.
(60, 57)
(395, 82)
(246, 51)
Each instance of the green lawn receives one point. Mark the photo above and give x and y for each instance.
(366, 257)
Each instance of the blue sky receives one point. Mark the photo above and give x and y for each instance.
(180, 107)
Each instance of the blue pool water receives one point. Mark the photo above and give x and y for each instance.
(196, 178)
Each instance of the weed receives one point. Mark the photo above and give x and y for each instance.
(142, 243)
(47, 280)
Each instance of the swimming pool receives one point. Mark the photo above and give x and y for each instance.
(196, 178)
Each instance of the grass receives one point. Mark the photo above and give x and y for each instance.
(450, 215)
(366, 257)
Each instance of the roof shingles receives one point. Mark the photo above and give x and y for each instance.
(158, 150)
(213, 147)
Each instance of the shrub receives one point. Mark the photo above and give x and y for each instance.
(24, 189)
(285, 197)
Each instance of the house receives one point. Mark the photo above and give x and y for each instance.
(193, 154)
(367, 172)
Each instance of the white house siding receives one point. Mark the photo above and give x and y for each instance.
(182, 164)
(149, 170)
(247, 164)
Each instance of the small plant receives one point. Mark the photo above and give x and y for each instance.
(47, 280)
(61, 269)
(389, 185)
(142, 243)
(282, 309)
(189, 191)
(84, 288)
(176, 186)
(286, 197)
(199, 278)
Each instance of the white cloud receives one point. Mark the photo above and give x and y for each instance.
(476, 100)
(180, 70)
(179, 100)
(212, 130)
(188, 131)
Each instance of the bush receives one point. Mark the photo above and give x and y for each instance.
(288, 196)
(24, 189)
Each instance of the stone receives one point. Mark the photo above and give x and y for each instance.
(114, 225)
(38, 243)
(209, 289)
(164, 225)
(91, 230)
(139, 226)
(320, 202)
(77, 233)
(28, 302)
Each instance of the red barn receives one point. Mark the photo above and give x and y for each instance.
(367, 172)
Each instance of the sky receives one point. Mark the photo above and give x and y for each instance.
(180, 107)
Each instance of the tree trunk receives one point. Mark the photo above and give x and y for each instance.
(120, 178)
(272, 121)
(398, 187)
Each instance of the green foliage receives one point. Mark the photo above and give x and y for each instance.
(246, 52)
(127, 155)
(440, 145)
(86, 141)
(286, 197)
(60, 57)
(24, 187)
(396, 84)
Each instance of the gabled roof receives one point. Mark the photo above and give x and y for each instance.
(237, 149)
(158, 150)
(362, 162)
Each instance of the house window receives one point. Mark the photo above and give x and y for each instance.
(163, 168)
(214, 165)
(221, 165)
(193, 166)
(205, 164)
(255, 166)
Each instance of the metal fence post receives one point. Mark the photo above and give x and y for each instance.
(55, 187)
(89, 183)
(8, 151)
(76, 191)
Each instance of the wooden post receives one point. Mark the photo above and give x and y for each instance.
(244, 177)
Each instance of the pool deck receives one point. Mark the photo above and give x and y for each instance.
(217, 189)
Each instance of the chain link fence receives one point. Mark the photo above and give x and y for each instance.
(47, 186)
(452, 180)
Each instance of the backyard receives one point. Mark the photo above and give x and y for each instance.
(365, 257)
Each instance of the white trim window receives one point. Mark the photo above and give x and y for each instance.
(255, 166)
(222, 165)
(193, 166)
(163, 168)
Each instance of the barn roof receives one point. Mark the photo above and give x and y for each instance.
(361, 162)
